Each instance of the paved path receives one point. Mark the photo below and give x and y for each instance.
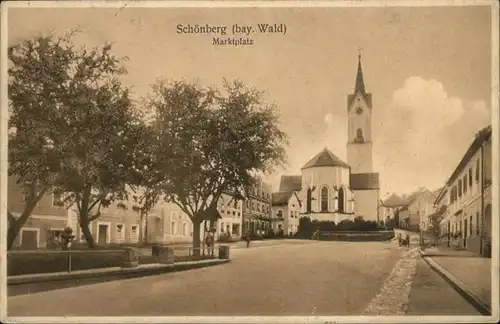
(431, 295)
(295, 278)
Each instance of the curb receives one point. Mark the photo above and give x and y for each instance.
(483, 307)
(122, 273)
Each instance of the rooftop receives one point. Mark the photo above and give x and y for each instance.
(325, 158)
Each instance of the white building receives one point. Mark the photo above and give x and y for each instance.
(466, 199)
(333, 190)
(231, 211)
(286, 208)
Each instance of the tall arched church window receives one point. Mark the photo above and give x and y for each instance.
(341, 200)
(308, 200)
(359, 136)
(324, 199)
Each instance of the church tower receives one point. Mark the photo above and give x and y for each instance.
(359, 128)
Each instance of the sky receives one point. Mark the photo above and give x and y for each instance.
(428, 69)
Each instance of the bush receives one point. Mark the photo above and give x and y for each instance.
(308, 227)
(19, 263)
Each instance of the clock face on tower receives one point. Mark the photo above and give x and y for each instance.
(359, 110)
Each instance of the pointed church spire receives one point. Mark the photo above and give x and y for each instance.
(360, 84)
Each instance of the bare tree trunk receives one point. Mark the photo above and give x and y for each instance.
(146, 229)
(83, 211)
(84, 225)
(196, 236)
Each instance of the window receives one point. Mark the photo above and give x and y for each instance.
(341, 198)
(470, 177)
(172, 228)
(477, 170)
(222, 227)
(324, 199)
(236, 229)
(470, 225)
(464, 182)
(279, 213)
(57, 200)
(134, 232)
(120, 232)
(459, 188)
(185, 229)
(477, 223)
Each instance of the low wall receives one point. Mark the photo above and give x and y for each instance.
(32, 262)
(352, 236)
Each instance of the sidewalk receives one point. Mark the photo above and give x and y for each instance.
(469, 273)
(32, 283)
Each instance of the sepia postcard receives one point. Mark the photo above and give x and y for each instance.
(249, 161)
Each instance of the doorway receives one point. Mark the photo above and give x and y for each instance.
(29, 239)
(465, 233)
(103, 233)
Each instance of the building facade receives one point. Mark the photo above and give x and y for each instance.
(46, 223)
(467, 199)
(231, 212)
(286, 207)
(330, 189)
(257, 209)
(414, 215)
(389, 207)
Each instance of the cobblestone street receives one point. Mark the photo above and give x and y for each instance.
(293, 278)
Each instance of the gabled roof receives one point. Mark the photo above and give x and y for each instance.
(364, 181)
(482, 136)
(282, 198)
(290, 183)
(325, 158)
(393, 201)
(414, 195)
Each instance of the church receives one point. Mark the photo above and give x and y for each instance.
(332, 190)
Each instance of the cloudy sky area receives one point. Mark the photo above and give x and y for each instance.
(428, 70)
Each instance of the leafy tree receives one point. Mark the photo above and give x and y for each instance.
(208, 142)
(76, 131)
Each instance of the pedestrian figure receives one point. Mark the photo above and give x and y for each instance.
(247, 238)
(408, 240)
(209, 241)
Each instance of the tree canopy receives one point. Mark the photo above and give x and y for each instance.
(75, 128)
(207, 142)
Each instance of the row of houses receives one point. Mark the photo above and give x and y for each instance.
(166, 223)
(465, 202)
(462, 208)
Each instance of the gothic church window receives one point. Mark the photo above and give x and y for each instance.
(341, 200)
(324, 199)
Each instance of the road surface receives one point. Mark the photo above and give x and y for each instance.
(300, 278)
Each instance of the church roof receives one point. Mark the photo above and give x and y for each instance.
(359, 87)
(290, 183)
(393, 201)
(325, 158)
(360, 84)
(364, 181)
